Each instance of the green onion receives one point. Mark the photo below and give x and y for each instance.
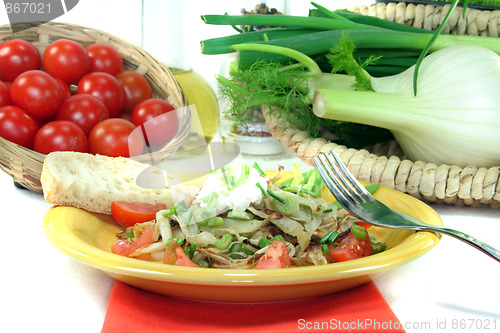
(224, 242)
(259, 170)
(275, 196)
(240, 249)
(329, 237)
(168, 212)
(326, 249)
(189, 251)
(358, 231)
(237, 255)
(214, 221)
(264, 193)
(329, 210)
(292, 189)
(201, 262)
(211, 200)
(129, 235)
(285, 21)
(263, 242)
(240, 215)
(326, 237)
(179, 241)
(278, 238)
(333, 237)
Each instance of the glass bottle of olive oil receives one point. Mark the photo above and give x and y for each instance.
(164, 37)
(199, 93)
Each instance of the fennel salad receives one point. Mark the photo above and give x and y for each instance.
(243, 218)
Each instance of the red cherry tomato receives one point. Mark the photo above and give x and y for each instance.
(106, 88)
(60, 135)
(65, 89)
(115, 137)
(18, 56)
(37, 93)
(17, 126)
(157, 119)
(66, 60)
(135, 89)
(175, 255)
(276, 256)
(130, 213)
(4, 94)
(350, 247)
(84, 110)
(104, 58)
(125, 248)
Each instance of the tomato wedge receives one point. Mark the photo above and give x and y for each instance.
(276, 256)
(349, 247)
(125, 248)
(175, 255)
(130, 213)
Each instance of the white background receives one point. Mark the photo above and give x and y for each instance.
(46, 291)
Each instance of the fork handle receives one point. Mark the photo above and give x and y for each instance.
(487, 249)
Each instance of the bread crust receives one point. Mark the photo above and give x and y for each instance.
(92, 182)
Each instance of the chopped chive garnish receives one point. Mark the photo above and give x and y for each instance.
(259, 170)
(275, 196)
(263, 242)
(179, 241)
(326, 249)
(224, 242)
(240, 215)
(329, 210)
(189, 251)
(333, 237)
(279, 238)
(306, 191)
(201, 262)
(292, 189)
(129, 235)
(325, 238)
(170, 211)
(261, 189)
(358, 231)
(237, 255)
(212, 200)
(235, 247)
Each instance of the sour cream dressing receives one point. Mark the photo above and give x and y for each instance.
(240, 197)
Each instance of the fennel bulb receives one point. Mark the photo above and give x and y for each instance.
(454, 118)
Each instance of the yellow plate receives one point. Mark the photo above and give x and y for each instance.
(88, 238)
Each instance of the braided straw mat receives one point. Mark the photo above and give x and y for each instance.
(25, 165)
(385, 164)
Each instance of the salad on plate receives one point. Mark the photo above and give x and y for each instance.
(243, 217)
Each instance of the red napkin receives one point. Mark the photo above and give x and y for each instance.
(361, 309)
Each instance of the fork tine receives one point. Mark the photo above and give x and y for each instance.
(343, 177)
(330, 180)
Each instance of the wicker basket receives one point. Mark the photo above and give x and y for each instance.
(385, 164)
(25, 165)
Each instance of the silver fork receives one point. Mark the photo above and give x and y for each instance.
(359, 202)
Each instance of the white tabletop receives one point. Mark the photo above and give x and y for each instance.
(453, 288)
